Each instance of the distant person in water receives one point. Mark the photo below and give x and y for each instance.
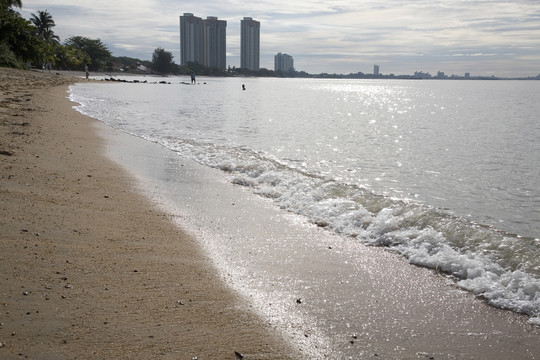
(193, 78)
(86, 71)
(243, 87)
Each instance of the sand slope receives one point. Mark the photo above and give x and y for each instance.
(88, 268)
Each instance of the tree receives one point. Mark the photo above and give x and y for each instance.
(95, 49)
(44, 24)
(17, 40)
(6, 4)
(70, 58)
(162, 61)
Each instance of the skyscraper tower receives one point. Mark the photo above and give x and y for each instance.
(249, 44)
(191, 39)
(203, 41)
(214, 53)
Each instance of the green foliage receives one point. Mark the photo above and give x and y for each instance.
(9, 3)
(94, 48)
(17, 35)
(162, 61)
(70, 58)
(8, 58)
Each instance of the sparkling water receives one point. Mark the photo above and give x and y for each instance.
(444, 172)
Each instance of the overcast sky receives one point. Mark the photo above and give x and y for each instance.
(483, 37)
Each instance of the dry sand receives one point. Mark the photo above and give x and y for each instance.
(88, 268)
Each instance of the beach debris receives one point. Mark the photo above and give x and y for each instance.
(180, 302)
(2, 345)
(299, 301)
(355, 336)
(6, 153)
(68, 286)
(238, 355)
(25, 293)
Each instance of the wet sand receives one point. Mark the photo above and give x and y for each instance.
(90, 269)
(333, 296)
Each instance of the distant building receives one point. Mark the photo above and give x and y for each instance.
(376, 70)
(249, 44)
(441, 75)
(467, 75)
(215, 46)
(283, 63)
(191, 39)
(203, 41)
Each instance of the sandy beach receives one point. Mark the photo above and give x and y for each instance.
(90, 269)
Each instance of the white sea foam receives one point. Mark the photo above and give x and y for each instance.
(426, 236)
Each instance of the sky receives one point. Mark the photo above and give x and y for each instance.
(481, 37)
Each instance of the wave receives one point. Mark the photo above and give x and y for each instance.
(503, 268)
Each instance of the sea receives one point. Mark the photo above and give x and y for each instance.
(445, 173)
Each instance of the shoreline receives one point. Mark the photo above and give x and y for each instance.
(90, 268)
(93, 269)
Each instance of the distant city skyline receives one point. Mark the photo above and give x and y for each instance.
(482, 37)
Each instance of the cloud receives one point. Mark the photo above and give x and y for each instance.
(327, 36)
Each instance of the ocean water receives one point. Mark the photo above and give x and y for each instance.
(445, 173)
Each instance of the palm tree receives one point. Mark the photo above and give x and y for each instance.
(6, 4)
(44, 24)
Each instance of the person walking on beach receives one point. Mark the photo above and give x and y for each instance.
(86, 71)
(192, 78)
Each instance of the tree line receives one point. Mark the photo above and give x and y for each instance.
(33, 43)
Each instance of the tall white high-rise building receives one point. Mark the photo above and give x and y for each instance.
(215, 35)
(283, 63)
(203, 41)
(376, 70)
(191, 39)
(249, 44)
